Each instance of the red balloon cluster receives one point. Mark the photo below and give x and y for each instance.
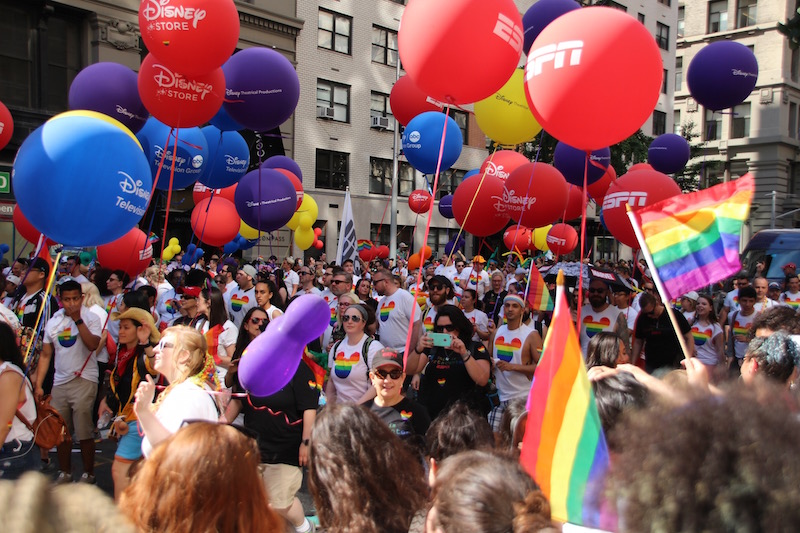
(318, 244)
(131, 253)
(420, 201)
(200, 192)
(562, 239)
(6, 126)
(502, 163)
(520, 239)
(482, 198)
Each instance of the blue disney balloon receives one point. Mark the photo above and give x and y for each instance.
(192, 153)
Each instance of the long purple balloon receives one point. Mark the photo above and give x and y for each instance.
(111, 89)
(270, 361)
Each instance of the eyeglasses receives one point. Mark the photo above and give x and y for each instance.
(444, 327)
(161, 346)
(305, 272)
(351, 318)
(337, 281)
(376, 281)
(595, 290)
(256, 320)
(383, 374)
(436, 286)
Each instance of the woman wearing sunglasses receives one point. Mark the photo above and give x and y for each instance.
(458, 371)
(351, 358)
(253, 324)
(213, 323)
(406, 418)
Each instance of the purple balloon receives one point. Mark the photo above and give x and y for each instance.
(446, 206)
(286, 163)
(262, 88)
(571, 162)
(668, 153)
(540, 15)
(265, 199)
(270, 361)
(722, 75)
(111, 89)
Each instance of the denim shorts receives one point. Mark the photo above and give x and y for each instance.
(129, 448)
(17, 457)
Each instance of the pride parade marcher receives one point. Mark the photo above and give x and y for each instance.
(351, 358)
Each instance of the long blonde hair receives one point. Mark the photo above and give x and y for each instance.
(91, 295)
(198, 365)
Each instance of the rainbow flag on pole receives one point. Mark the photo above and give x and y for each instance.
(538, 297)
(564, 448)
(694, 238)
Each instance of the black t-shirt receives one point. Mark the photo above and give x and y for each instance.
(447, 381)
(493, 303)
(280, 431)
(406, 418)
(662, 348)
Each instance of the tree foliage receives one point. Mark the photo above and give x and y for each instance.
(691, 178)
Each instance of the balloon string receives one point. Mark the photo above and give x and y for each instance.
(161, 164)
(169, 193)
(260, 154)
(383, 216)
(584, 203)
(427, 231)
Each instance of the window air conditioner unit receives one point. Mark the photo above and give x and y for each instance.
(381, 123)
(324, 112)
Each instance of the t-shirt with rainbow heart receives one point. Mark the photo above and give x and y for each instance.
(507, 347)
(349, 373)
(593, 322)
(241, 303)
(394, 313)
(69, 351)
(740, 326)
(792, 299)
(704, 336)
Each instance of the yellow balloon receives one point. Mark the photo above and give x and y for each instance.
(176, 249)
(307, 207)
(247, 232)
(305, 220)
(173, 241)
(505, 116)
(167, 255)
(304, 237)
(540, 238)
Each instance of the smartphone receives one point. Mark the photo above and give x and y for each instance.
(441, 339)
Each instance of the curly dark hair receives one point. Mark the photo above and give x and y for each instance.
(457, 430)
(777, 356)
(719, 464)
(777, 318)
(362, 477)
(509, 499)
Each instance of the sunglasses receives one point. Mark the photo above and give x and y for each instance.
(444, 327)
(256, 320)
(596, 290)
(436, 286)
(351, 318)
(161, 346)
(383, 374)
(376, 281)
(337, 281)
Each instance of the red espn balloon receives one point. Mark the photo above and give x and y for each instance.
(178, 100)
(602, 48)
(502, 163)
(562, 239)
(639, 188)
(488, 214)
(26, 229)
(407, 101)
(574, 207)
(597, 190)
(219, 224)
(298, 185)
(6, 126)
(460, 51)
(190, 36)
(518, 239)
(200, 192)
(131, 253)
(420, 201)
(536, 194)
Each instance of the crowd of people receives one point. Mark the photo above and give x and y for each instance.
(408, 413)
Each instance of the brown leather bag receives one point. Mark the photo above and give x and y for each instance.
(49, 429)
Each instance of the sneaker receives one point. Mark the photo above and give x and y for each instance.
(49, 466)
(87, 478)
(63, 478)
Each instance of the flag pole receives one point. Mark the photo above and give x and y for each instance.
(657, 280)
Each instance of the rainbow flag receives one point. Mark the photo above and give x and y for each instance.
(538, 296)
(313, 360)
(564, 448)
(364, 244)
(694, 238)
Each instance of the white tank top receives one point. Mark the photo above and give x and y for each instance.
(508, 347)
(18, 429)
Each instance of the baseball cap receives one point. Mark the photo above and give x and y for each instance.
(692, 295)
(774, 285)
(520, 270)
(41, 265)
(789, 265)
(479, 259)
(387, 357)
(250, 270)
(11, 278)
(191, 292)
(444, 280)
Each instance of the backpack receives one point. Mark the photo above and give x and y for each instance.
(364, 351)
(49, 429)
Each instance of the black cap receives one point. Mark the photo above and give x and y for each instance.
(40, 264)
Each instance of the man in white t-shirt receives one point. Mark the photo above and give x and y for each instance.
(763, 301)
(476, 277)
(72, 336)
(792, 295)
(290, 278)
(307, 281)
(394, 312)
(731, 302)
(228, 270)
(243, 297)
(598, 315)
(478, 319)
(74, 269)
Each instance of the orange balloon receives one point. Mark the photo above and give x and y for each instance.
(413, 262)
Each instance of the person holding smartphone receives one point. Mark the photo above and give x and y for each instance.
(456, 368)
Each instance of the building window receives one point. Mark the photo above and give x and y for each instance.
(380, 236)
(334, 96)
(746, 13)
(665, 2)
(662, 36)
(712, 126)
(640, 16)
(678, 74)
(677, 129)
(332, 170)
(740, 121)
(334, 31)
(718, 16)
(794, 68)
(437, 238)
(384, 46)
(665, 82)
(379, 107)
(615, 5)
(380, 177)
(448, 181)
(401, 2)
(681, 24)
(462, 119)
(40, 57)
(659, 123)
(793, 120)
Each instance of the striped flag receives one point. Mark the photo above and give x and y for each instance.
(538, 296)
(564, 448)
(348, 244)
(694, 238)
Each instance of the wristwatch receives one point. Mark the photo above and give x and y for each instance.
(79, 322)
(147, 344)
(305, 442)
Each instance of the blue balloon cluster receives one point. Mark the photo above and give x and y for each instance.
(192, 255)
(422, 139)
(4, 248)
(190, 160)
(239, 243)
